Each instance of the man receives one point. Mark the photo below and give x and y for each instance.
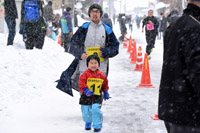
(151, 25)
(10, 18)
(94, 34)
(163, 25)
(35, 27)
(75, 19)
(172, 17)
(48, 13)
(106, 20)
(94, 37)
(123, 28)
(179, 94)
(67, 28)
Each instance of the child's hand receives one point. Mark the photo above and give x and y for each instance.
(88, 92)
(106, 95)
(83, 56)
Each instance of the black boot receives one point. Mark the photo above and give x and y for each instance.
(97, 130)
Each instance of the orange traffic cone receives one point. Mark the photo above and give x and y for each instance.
(130, 44)
(155, 117)
(59, 40)
(133, 54)
(146, 79)
(139, 60)
(125, 41)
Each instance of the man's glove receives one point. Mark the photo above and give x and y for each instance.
(106, 95)
(88, 92)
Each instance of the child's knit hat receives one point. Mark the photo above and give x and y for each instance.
(93, 57)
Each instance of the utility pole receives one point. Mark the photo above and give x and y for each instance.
(120, 6)
(63, 5)
(125, 7)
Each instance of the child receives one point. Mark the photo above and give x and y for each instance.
(91, 84)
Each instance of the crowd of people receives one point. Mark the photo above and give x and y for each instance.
(37, 21)
(95, 42)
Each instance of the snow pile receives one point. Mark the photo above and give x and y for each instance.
(24, 73)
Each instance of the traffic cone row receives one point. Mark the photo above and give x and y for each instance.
(140, 66)
(144, 67)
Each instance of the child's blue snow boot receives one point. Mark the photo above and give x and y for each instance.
(88, 126)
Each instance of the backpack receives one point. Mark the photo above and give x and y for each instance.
(31, 11)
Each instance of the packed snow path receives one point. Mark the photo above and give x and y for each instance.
(130, 108)
(30, 103)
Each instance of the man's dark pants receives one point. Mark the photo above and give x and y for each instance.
(11, 23)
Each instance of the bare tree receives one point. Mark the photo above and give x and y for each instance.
(174, 4)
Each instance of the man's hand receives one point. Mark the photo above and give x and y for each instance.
(150, 22)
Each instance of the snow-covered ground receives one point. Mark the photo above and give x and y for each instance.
(31, 103)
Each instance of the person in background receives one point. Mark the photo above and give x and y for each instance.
(66, 28)
(151, 30)
(75, 19)
(10, 18)
(114, 18)
(55, 23)
(172, 17)
(35, 27)
(106, 20)
(48, 13)
(179, 93)
(130, 23)
(91, 84)
(137, 20)
(163, 25)
(123, 28)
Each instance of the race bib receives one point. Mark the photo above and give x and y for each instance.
(94, 50)
(150, 27)
(95, 84)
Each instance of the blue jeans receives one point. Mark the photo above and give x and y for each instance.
(92, 113)
(11, 23)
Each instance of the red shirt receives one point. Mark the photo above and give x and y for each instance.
(91, 74)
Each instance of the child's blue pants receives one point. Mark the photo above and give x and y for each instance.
(92, 113)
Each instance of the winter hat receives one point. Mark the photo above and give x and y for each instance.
(93, 57)
(95, 6)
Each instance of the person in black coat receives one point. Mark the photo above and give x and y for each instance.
(10, 18)
(106, 20)
(76, 19)
(172, 17)
(163, 25)
(123, 28)
(151, 28)
(35, 31)
(179, 93)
